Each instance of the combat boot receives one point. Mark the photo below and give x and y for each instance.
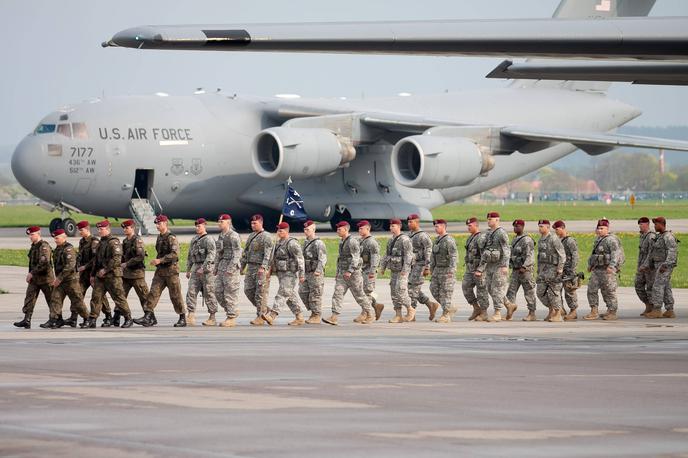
(648, 309)
(433, 307)
(378, 310)
(360, 317)
(25, 323)
(669, 314)
(153, 320)
(531, 316)
(258, 321)
(145, 320)
(59, 322)
(444, 318)
(476, 312)
(128, 322)
(107, 321)
(496, 317)
(269, 316)
(71, 321)
(610, 316)
(397, 317)
(191, 319)
(654, 314)
(571, 316)
(50, 324)
(298, 320)
(91, 324)
(332, 319)
(482, 316)
(369, 318)
(315, 318)
(593, 315)
(510, 309)
(210, 321)
(115, 318)
(556, 316)
(228, 323)
(181, 323)
(410, 315)
(549, 313)
(84, 324)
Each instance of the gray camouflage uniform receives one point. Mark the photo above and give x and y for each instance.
(349, 260)
(662, 259)
(551, 259)
(473, 247)
(398, 259)
(201, 257)
(495, 256)
(570, 277)
(605, 254)
(443, 260)
(311, 290)
(370, 255)
(257, 253)
(522, 257)
(644, 278)
(227, 266)
(287, 264)
(422, 248)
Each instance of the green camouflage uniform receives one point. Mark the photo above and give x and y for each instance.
(42, 275)
(522, 263)
(349, 260)
(287, 264)
(605, 254)
(64, 260)
(493, 258)
(398, 259)
(662, 259)
(551, 258)
(109, 259)
(134, 273)
(87, 254)
(473, 287)
(201, 258)
(315, 259)
(227, 266)
(257, 254)
(166, 274)
(443, 260)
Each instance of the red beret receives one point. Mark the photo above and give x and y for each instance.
(412, 216)
(161, 219)
(128, 223)
(342, 224)
(308, 223)
(395, 221)
(519, 222)
(543, 221)
(224, 217)
(643, 219)
(82, 224)
(57, 232)
(493, 215)
(558, 224)
(603, 222)
(363, 223)
(283, 225)
(257, 217)
(32, 229)
(104, 223)
(470, 220)
(440, 221)
(660, 220)
(200, 221)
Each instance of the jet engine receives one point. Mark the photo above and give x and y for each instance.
(281, 152)
(435, 162)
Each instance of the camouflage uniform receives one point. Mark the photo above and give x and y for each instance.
(494, 256)
(644, 277)
(311, 290)
(134, 273)
(443, 260)
(551, 259)
(605, 254)
(370, 255)
(257, 254)
(522, 257)
(349, 260)
(201, 257)
(109, 259)
(570, 276)
(228, 261)
(422, 248)
(166, 274)
(287, 263)
(398, 259)
(87, 254)
(64, 260)
(473, 247)
(662, 259)
(42, 275)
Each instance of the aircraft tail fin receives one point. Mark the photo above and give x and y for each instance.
(589, 9)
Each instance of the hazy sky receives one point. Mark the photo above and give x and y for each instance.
(51, 55)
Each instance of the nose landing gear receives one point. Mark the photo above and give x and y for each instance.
(68, 224)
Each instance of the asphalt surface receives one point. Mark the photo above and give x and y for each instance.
(416, 389)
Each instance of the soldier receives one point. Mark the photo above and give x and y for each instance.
(571, 277)
(166, 275)
(551, 258)
(470, 282)
(66, 283)
(287, 263)
(40, 275)
(420, 268)
(315, 259)
(133, 266)
(522, 263)
(662, 259)
(603, 264)
(443, 259)
(494, 261)
(200, 270)
(106, 276)
(398, 258)
(370, 255)
(88, 245)
(644, 277)
(227, 270)
(349, 277)
(255, 262)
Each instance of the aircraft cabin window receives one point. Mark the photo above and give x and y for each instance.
(54, 150)
(64, 129)
(45, 129)
(79, 130)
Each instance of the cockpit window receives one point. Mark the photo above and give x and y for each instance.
(45, 129)
(79, 130)
(64, 129)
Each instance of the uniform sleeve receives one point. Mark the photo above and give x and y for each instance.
(530, 252)
(427, 250)
(615, 254)
(209, 254)
(322, 256)
(355, 250)
(561, 252)
(295, 251)
(115, 259)
(139, 253)
(267, 254)
(244, 254)
(385, 259)
(575, 256)
(173, 255)
(482, 241)
(672, 251)
(236, 248)
(91, 258)
(453, 253)
(408, 255)
(374, 255)
(432, 260)
(44, 255)
(69, 264)
(192, 247)
(505, 248)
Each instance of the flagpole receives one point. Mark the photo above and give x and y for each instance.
(286, 193)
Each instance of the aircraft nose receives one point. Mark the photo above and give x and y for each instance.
(26, 162)
(136, 37)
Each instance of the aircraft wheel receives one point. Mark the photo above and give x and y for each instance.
(379, 225)
(55, 224)
(346, 216)
(69, 226)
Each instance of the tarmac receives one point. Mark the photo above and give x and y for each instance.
(416, 389)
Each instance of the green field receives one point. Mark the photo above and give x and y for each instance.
(629, 241)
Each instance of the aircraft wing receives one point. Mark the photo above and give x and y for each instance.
(657, 38)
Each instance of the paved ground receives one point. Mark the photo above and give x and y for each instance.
(418, 389)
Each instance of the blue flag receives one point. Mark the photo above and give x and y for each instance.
(293, 205)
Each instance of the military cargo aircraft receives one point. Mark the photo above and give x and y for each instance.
(378, 158)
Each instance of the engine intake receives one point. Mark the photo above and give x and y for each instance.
(281, 152)
(426, 161)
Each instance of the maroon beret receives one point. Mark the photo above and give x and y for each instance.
(603, 222)
(493, 215)
(412, 216)
(257, 217)
(395, 221)
(660, 220)
(519, 222)
(643, 219)
(363, 223)
(57, 232)
(82, 224)
(224, 217)
(342, 224)
(558, 224)
(128, 223)
(104, 223)
(440, 221)
(283, 225)
(161, 219)
(308, 223)
(200, 221)
(470, 220)
(543, 221)
(30, 230)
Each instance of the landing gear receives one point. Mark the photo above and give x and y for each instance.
(68, 224)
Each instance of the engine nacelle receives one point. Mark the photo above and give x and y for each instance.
(426, 161)
(281, 152)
